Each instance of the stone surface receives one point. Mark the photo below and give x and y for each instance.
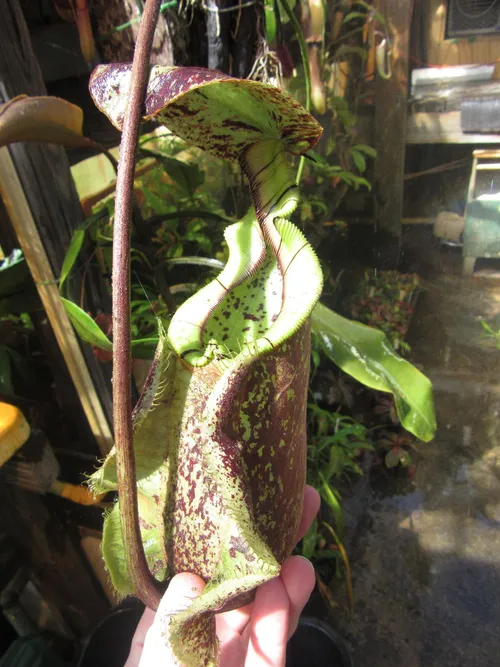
(426, 559)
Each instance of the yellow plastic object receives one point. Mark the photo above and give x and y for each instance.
(76, 493)
(14, 431)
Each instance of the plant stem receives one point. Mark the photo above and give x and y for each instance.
(347, 565)
(305, 64)
(143, 582)
(99, 148)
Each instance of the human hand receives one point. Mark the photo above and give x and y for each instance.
(252, 636)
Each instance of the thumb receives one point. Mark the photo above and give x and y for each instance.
(181, 591)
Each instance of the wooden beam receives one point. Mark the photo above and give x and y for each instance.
(50, 548)
(443, 128)
(453, 94)
(390, 134)
(24, 225)
(486, 154)
(43, 206)
(418, 221)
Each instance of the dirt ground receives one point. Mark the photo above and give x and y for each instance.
(426, 558)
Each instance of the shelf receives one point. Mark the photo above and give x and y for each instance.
(443, 128)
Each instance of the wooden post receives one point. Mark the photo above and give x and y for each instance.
(390, 134)
(49, 548)
(43, 207)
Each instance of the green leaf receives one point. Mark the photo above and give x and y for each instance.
(367, 150)
(354, 15)
(72, 254)
(366, 354)
(188, 177)
(144, 348)
(309, 540)
(487, 328)
(76, 243)
(371, 11)
(353, 180)
(15, 257)
(270, 19)
(359, 160)
(346, 50)
(332, 501)
(85, 326)
(282, 14)
(397, 457)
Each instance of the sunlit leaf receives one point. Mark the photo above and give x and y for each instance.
(332, 501)
(366, 354)
(75, 245)
(85, 326)
(270, 18)
(72, 254)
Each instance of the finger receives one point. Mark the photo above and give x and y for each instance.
(181, 591)
(297, 575)
(233, 622)
(310, 508)
(139, 637)
(268, 628)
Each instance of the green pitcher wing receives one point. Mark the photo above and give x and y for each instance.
(154, 435)
(150, 458)
(113, 549)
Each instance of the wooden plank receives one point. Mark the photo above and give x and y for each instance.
(443, 128)
(390, 132)
(449, 95)
(489, 166)
(441, 51)
(52, 553)
(45, 281)
(418, 221)
(486, 154)
(43, 200)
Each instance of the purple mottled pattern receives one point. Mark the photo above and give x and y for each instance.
(176, 82)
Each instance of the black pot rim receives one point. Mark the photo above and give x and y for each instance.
(319, 625)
